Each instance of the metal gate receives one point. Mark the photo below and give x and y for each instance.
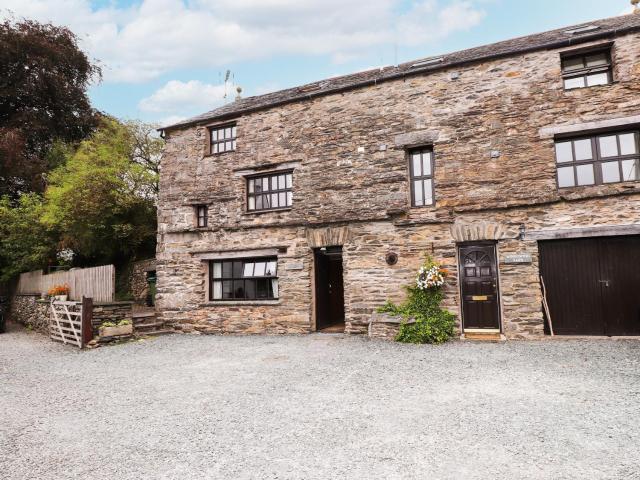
(70, 322)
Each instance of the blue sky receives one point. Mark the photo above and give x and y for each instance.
(165, 60)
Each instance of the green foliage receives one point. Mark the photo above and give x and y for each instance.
(107, 324)
(25, 242)
(432, 323)
(99, 198)
(124, 322)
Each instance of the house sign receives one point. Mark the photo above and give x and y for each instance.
(517, 258)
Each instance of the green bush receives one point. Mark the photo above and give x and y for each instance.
(124, 322)
(432, 324)
(107, 324)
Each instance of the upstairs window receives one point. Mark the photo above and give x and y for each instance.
(587, 69)
(421, 173)
(244, 279)
(270, 192)
(222, 138)
(598, 160)
(202, 216)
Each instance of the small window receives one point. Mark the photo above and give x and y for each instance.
(202, 216)
(222, 138)
(270, 192)
(598, 160)
(421, 173)
(244, 279)
(587, 69)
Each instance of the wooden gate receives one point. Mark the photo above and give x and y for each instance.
(70, 322)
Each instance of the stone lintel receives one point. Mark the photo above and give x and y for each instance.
(555, 130)
(417, 138)
(219, 255)
(328, 237)
(273, 167)
(469, 232)
(580, 232)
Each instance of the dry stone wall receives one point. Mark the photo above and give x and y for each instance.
(351, 183)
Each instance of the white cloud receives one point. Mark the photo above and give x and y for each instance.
(156, 37)
(184, 96)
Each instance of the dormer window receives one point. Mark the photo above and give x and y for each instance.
(587, 69)
(222, 138)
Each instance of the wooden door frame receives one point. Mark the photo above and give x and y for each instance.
(485, 243)
(314, 285)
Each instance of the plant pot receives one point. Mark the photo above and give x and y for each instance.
(116, 331)
(61, 298)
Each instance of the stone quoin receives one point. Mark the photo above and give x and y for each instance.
(478, 158)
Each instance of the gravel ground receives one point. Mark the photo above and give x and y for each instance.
(322, 407)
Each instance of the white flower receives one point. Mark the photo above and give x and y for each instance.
(429, 277)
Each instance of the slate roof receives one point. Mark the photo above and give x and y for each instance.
(559, 38)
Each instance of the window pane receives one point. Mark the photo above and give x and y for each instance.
(228, 146)
(214, 135)
(628, 145)
(574, 63)
(630, 170)
(227, 289)
(583, 149)
(217, 290)
(266, 201)
(237, 269)
(233, 132)
(227, 132)
(418, 200)
(248, 269)
(252, 203)
(585, 175)
(260, 268)
(274, 183)
(283, 199)
(217, 270)
(274, 200)
(250, 289)
(215, 148)
(428, 193)
(227, 269)
(272, 269)
(289, 199)
(289, 180)
(221, 148)
(233, 145)
(570, 83)
(274, 288)
(608, 146)
(281, 182)
(597, 79)
(426, 163)
(565, 177)
(238, 289)
(259, 202)
(417, 165)
(265, 184)
(251, 184)
(262, 288)
(563, 152)
(597, 60)
(610, 172)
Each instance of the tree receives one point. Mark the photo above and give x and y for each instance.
(44, 78)
(25, 242)
(100, 201)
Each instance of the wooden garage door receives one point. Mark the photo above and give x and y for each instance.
(593, 285)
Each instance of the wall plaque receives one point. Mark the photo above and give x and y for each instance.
(294, 266)
(517, 258)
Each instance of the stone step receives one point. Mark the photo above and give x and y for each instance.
(483, 337)
(139, 326)
(153, 333)
(143, 314)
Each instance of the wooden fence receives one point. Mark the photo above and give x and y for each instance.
(97, 283)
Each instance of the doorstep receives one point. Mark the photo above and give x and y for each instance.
(479, 335)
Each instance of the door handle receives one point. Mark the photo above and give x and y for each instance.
(606, 282)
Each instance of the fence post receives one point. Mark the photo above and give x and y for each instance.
(87, 317)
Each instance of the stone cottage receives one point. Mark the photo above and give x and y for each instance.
(306, 209)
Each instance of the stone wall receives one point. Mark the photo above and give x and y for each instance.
(30, 311)
(110, 312)
(494, 171)
(139, 285)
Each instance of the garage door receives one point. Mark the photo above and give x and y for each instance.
(593, 285)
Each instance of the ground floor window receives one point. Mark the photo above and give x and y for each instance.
(244, 279)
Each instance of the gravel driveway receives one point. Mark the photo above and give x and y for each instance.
(318, 407)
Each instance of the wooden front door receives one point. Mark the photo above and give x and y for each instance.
(329, 287)
(592, 285)
(479, 286)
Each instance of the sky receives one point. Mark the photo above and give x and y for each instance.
(166, 60)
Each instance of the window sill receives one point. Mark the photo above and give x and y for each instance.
(240, 303)
(261, 212)
(206, 155)
(578, 89)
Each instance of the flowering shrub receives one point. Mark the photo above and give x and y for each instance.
(430, 323)
(58, 290)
